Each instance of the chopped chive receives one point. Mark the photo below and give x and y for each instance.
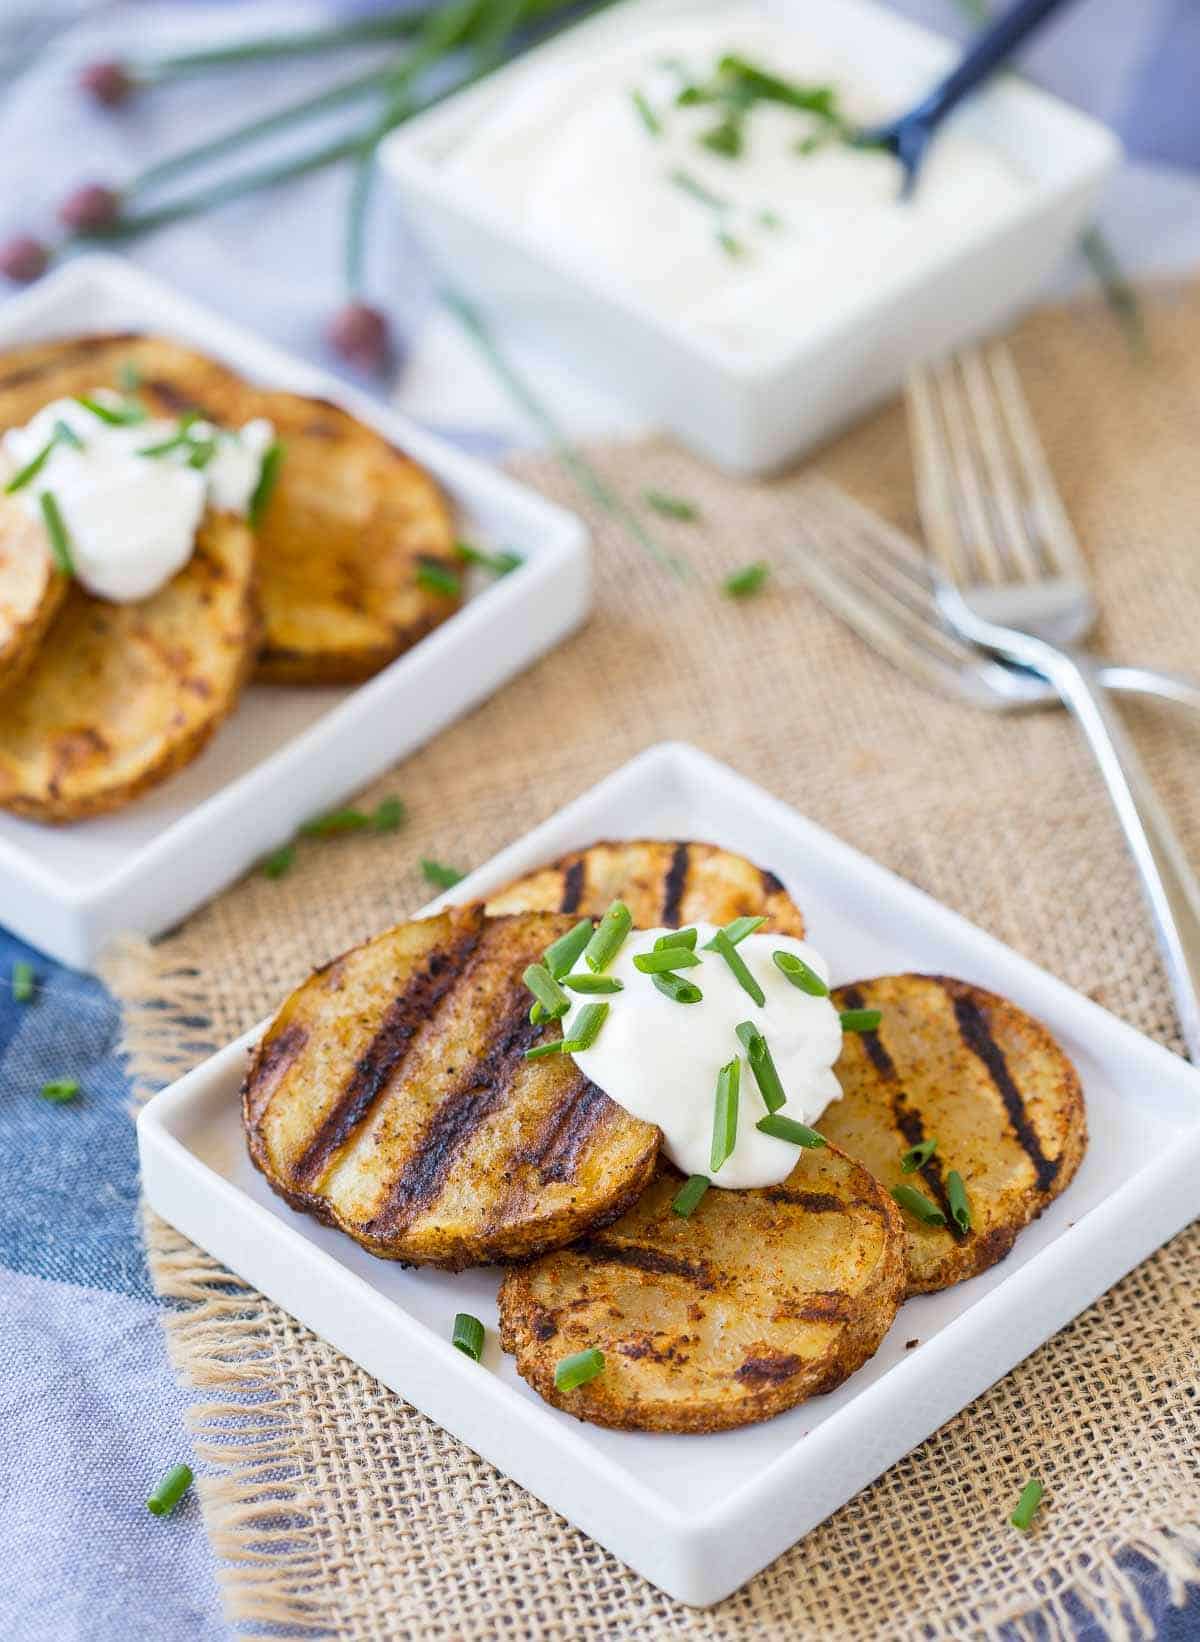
(746, 581)
(770, 1087)
(541, 1050)
(677, 989)
(546, 990)
(389, 815)
(861, 1020)
(735, 933)
(960, 1203)
(337, 821)
(677, 937)
(66, 435)
(671, 507)
(918, 1205)
(687, 1198)
(725, 1114)
(60, 541)
(800, 974)
(665, 959)
(24, 981)
(916, 1157)
(500, 564)
(770, 219)
(468, 1335)
(268, 478)
(115, 416)
(578, 1369)
(559, 957)
(177, 439)
(726, 138)
(60, 1090)
(733, 247)
(608, 937)
(586, 1027)
(169, 1490)
(30, 471)
(129, 378)
(440, 875)
(1027, 1505)
(786, 1128)
(585, 982)
(279, 861)
(203, 451)
(691, 185)
(645, 113)
(724, 947)
(536, 1014)
(438, 578)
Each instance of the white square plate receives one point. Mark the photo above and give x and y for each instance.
(286, 754)
(699, 1515)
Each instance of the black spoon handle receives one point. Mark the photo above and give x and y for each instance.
(986, 54)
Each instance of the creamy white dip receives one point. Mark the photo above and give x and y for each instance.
(131, 519)
(660, 1059)
(570, 158)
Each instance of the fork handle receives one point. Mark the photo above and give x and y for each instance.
(985, 55)
(1151, 681)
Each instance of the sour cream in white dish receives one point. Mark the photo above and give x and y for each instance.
(660, 1059)
(595, 159)
(131, 518)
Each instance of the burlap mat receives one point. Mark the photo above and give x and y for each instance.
(336, 1506)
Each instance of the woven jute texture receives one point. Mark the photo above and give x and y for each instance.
(338, 1508)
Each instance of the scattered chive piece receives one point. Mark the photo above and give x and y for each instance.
(546, 990)
(438, 578)
(60, 541)
(584, 982)
(735, 933)
(541, 1050)
(116, 416)
(468, 1335)
(918, 1205)
(646, 114)
(733, 247)
(389, 815)
(608, 937)
(177, 439)
(960, 1203)
(169, 1490)
(861, 1020)
(559, 957)
(337, 821)
(690, 185)
(665, 959)
(677, 989)
(578, 1369)
(770, 219)
(671, 507)
(279, 861)
(725, 138)
(203, 451)
(746, 581)
(770, 1086)
(586, 1028)
(724, 947)
(800, 974)
(23, 981)
(725, 1114)
(677, 937)
(60, 1090)
(500, 564)
(687, 1199)
(440, 875)
(916, 1157)
(786, 1128)
(30, 471)
(1027, 1505)
(129, 378)
(536, 1014)
(268, 478)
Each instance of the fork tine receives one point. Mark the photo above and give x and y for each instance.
(1057, 538)
(1017, 549)
(950, 496)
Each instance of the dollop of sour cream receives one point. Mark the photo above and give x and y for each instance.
(131, 519)
(660, 1059)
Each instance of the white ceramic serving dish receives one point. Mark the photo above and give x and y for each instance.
(699, 1515)
(286, 754)
(753, 414)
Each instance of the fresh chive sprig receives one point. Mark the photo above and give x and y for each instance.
(439, 875)
(546, 990)
(468, 1335)
(787, 1128)
(725, 948)
(169, 1490)
(916, 1157)
(671, 507)
(577, 1369)
(268, 479)
(801, 975)
(677, 937)
(436, 577)
(687, 1199)
(608, 937)
(60, 1090)
(918, 1205)
(770, 1086)
(861, 1020)
(500, 564)
(560, 956)
(736, 931)
(664, 960)
(24, 981)
(594, 984)
(960, 1203)
(725, 1114)
(1028, 1505)
(56, 530)
(585, 1028)
(677, 988)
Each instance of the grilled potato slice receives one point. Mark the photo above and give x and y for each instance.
(31, 589)
(757, 1301)
(665, 883)
(391, 1097)
(119, 696)
(957, 1063)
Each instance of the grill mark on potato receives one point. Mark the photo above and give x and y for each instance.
(674, 885)
(271, 1067)
(814, 1202)
(572, 890)
(385, 1053)
(827, 1306)
(976, 1035)
(772, 884)
(172, 398)
(481, 1090)
(651, 1260)
(768, 1370)
(556, 1152)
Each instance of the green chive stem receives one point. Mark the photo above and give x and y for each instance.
(1027, 1505)
(960, 1203)
(585, 1028)
(578, 1369)
(468, 1335)
(24, 981)
(645, 113)
(268, 478)
(30, 471)
(500, 564)
(736, 931)
(169, 1490)
(786, 1128)
(916, 1157)
(687, 1199)
(746, 581)
(440, 875)
(725, 1114)
(677, 937)
(664, 960)
(594, 984)
(770, 1086)
(60, 1090)
(546, 990)
(336, 822)
(671, 507)
(541, 1050)
(800, 974)
(279, 862)
(677, 989)
(861, 1020)
(390, 814)
(56, 530)
(918, 1205)
(608, 937)
(724, 947)
(438, 578)
(559, 957)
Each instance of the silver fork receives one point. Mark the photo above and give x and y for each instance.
(1010, 578)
